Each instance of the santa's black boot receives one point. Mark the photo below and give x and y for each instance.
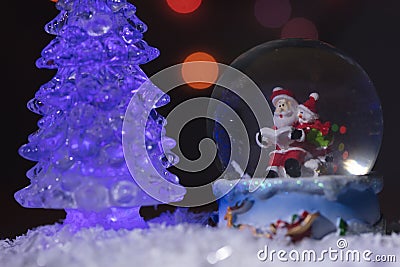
(272, 174)
(293, 168)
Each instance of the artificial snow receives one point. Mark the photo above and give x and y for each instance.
(329, 186)
(185, 245)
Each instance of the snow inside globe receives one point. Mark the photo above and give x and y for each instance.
(309, 167)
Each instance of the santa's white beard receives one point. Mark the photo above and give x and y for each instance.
(287, 118)
(307, 118)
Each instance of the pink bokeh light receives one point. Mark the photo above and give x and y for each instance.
(272, 13)
(299, 28)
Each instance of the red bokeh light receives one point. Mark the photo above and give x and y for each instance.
(300, 28)
(184, 6)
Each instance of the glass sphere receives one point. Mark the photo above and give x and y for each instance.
(345, 124)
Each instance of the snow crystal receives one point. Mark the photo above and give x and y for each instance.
(178, 245)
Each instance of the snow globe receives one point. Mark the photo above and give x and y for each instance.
(309, 170)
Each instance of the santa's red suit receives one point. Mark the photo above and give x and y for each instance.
(317, 124)
(279, 157)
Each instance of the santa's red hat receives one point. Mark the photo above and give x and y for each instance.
(310, 104)
(280, 93)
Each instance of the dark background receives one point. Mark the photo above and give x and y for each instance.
(367, 30)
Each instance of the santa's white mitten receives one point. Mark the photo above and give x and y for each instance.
(312, 164)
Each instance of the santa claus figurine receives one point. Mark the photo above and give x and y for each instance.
(286, 160)
(308, 117)
(312, 133)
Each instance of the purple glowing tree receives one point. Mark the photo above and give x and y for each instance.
(78, 147)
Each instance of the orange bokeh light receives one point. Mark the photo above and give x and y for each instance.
(203, 67)
(184, 6)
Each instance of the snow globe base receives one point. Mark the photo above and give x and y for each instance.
(302, 207)
(111, 218)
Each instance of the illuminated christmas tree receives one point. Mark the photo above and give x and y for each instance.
(78, 147)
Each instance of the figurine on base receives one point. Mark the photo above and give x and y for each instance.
(302, 140)
(316, 136)
(286, 160)
(327, 138)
